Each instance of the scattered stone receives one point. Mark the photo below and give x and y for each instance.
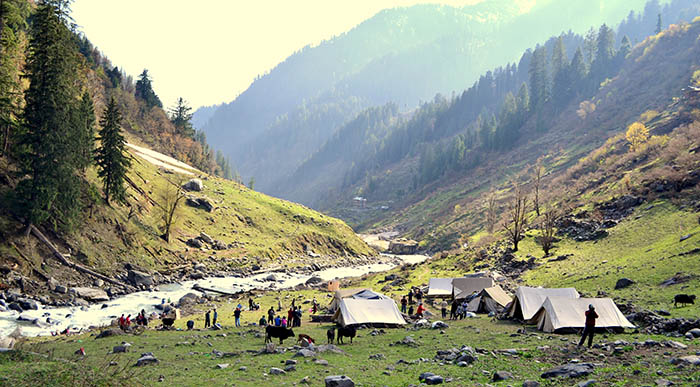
(409, 341)
(569, 371)
(501, 375)
(145, 359)
(339, 381)
(686, 360)
(290, 361)
(435, 379)
(377, 356)
(109, 332)
(623, 283)
(439, 325)
(277, 371)
(243, 368)
(222, 366)
(290, 368)
(304, 352)
(322, 362)
(663, 382)
(695, 332)
(531, 383)
(121, 348)
(139, 278)
(305, 380)
(588, 383)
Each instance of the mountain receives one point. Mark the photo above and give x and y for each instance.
(401, 55)
(431, 177)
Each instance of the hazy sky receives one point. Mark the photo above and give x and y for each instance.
(209, 51)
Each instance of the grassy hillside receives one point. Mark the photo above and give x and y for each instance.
(255, 230)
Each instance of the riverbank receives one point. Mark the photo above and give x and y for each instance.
(44, 320)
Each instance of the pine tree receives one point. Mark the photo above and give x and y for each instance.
(560, 73)
(589, 46)
(144, 91)
(112, 161)
(659, 25)
(48, 158)
(12, 24)
(605, 51)
(538, 78)
(180, 116)
(85, 133)
(577, 72)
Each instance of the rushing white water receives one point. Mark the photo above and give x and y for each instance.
(97, 315)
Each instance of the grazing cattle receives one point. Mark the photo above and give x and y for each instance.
(683, 299)
(330, 334)
(307, 338)
(346, 332)
(281, 333)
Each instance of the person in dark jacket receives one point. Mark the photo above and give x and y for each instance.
(588, 330)
(453, 310)
(237, 316)
(404, 301)
(216, 315)
(271, 315)
(207, 319)
(263, 321)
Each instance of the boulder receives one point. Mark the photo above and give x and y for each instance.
(60, 289)
(687, 360)
(121, 348)
(623, 283)
(277, 371)
(501, 375)
(145, 359)
(439, 325)
(314, 280)
(140, 278)
(338, 381)
(109, 332)
(531, 383)
(433, 380)
(695, 332)
(304, 352)
(222, 366)
(587, 383)
(27, 304)
(91, 294)
(188, 299)
(194, 185)
(271, 278)
(569, 371)
(195, 242)
(206, 238)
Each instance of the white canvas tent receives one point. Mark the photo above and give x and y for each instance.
(359, 293)
(353, 311)
(492, 299)
(439, 287)
(464, 287)
(528, 300)
(560, 313)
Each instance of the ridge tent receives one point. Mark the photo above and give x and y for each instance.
(562, 313)
(528, 300)
(439, 287)
(464, 287)
(492, 299)
(353, 311)
(359, 293)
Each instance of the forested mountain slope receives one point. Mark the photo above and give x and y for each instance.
(402, 55)
(437, 192)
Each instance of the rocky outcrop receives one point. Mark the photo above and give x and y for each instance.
(194, 185)
(403, 246)
(90, 294)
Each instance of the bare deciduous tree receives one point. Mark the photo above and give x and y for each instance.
(547, 229)
(515, 221)
(170, 196)
(491, 216)
(537, 174)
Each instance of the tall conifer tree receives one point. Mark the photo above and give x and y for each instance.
(112, 161)
(52, 188)
(85, 133)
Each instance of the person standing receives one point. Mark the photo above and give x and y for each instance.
(410, 296)
(403, 304)
(298, 315)
(588, 330)
(216, 315)
(453, 310)
(207, 319)
(237, 316)
(263, 321)
(271, 315)
(443, 308)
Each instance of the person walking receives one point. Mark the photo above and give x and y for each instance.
(216, 315)
(588, 330)
(207, 319)
(237, 316)
(453, 310)
(403, 304)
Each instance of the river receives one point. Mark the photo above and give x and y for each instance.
(99, 314)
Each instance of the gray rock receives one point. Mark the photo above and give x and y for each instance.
(433, 380)
(569, 371)
(501, 375)
(305, 352)
(121, 348)
(194, 185)
(277, 371)
(91, 294)
(531, 383)
(687, 360)
(206, 238)
(623, 283)
(140, 278)
(462, 364)
(290, 368)
(109, 332)
(439, 325)
(290, 361)
(322, 362)
(314, 280)
(242, 368)
(222, 366)
(305, 380)
(188, 299)
(145, 359)
(663, 382)
(587, 383)
(26, 304)
(60, 289)
(695, 332)
(195, 242)
(338, 381)
(271, 278)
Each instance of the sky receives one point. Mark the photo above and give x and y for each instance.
(209, 51)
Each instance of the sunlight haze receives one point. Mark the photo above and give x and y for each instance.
(211, 52)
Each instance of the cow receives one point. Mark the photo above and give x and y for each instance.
(281, 333)
(346, 332)
(683, 299)
(330, 334)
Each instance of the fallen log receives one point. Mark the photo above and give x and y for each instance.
(200, 288)
(61, 258)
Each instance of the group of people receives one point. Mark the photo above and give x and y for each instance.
(208, 322)
(292, 319)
